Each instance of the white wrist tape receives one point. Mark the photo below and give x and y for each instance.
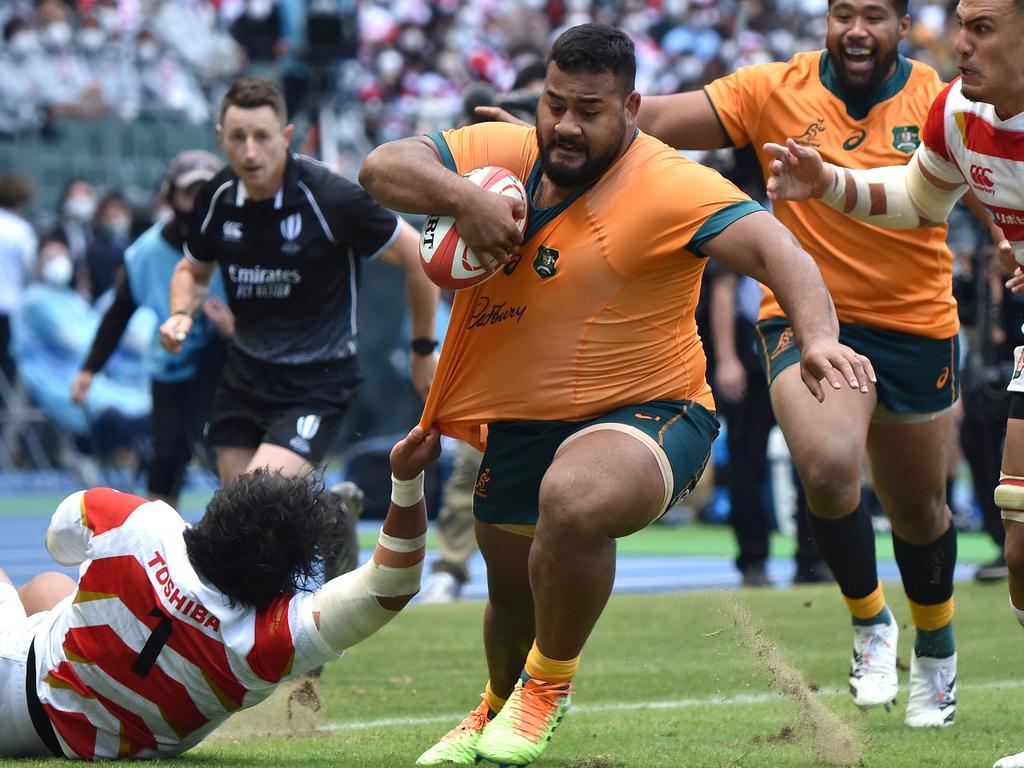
(348, 605)
(406, 493)
(1017, 611)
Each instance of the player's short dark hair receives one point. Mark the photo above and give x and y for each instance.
(265, 535)
(902, 7)
(596, 48)
(253, 92)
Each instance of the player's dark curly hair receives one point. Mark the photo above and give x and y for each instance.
(265, 535)
(596, 48)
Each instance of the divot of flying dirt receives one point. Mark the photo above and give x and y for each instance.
(293, 710)
(832, 741)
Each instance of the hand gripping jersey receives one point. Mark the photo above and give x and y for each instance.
(145, 659)
(597, 310)
(967, 143)
(895, 280)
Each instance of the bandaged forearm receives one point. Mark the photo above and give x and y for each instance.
(348, 606)
(894, 196)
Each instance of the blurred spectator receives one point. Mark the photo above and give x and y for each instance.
(109, 65)
(258, 31)
(167, 87)
(17, 258)
(75, 228)
(20, 107)
(190, 29)
(52, 331)
(61, 77)
(112, 229)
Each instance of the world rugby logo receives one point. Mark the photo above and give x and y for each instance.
(291, 227)
(306, 426)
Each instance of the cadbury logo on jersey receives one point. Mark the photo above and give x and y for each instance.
(180, 602)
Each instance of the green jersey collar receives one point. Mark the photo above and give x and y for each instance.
(858, 108)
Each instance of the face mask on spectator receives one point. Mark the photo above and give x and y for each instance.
(24, 43)
(108, 18)
(80, 208)
(259, 9)
(57, 34)
(91, 39)
(57, 271)
(147, 51)
(118, 224)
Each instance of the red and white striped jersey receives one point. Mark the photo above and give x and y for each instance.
(145, 659)
(968, 143)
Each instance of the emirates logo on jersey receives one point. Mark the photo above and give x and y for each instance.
(981, 177)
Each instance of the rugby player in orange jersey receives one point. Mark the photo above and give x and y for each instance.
(860, 104)
(973, 139)
(579, 365)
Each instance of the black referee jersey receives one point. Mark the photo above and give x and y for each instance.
(291, 264)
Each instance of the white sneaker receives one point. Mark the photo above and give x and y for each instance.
(932, 702)
(441, 587)
(873, 680)
(1010, 761)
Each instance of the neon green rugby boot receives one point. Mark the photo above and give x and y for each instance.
(521, 731)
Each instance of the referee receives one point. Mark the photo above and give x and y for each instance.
(290, 237)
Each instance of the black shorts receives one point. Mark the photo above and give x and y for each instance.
(298, 407)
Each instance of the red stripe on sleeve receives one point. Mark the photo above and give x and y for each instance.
(934, 132)
(104, 509)
(273, 651)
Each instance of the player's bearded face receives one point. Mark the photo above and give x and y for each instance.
(581, 126)
(862, 41)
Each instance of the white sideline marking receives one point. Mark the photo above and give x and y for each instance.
(740, 698)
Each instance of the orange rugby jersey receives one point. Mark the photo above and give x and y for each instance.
(598, 310)
(891, 279)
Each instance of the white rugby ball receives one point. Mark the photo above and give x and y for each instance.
(446, 258)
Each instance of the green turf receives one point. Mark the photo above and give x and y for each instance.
(662, 684)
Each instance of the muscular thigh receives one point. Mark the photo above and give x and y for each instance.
(673, 436)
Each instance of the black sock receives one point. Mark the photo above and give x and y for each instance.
(848, 546)
(927, 570)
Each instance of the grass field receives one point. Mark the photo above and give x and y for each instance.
(695, 679)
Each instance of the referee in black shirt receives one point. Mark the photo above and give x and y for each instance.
(290, 237)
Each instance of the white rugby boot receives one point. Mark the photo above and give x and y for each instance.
(873, 680)
(932, 702)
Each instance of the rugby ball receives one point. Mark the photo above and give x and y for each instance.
(446, 258)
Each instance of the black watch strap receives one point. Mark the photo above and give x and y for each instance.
(423, 346)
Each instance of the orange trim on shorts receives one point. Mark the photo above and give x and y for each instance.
(519, 529)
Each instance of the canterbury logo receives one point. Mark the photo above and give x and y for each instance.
(785, 342)
(291, 227)
(943, 378)
(232, 230)
(980, 176)
(481, 483)
(306, 426)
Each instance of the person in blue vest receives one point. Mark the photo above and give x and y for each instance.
(182, 385)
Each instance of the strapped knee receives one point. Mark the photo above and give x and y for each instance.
(1009, 497)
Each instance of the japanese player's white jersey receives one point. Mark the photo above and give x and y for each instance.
(967, 142)
(145, 659)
